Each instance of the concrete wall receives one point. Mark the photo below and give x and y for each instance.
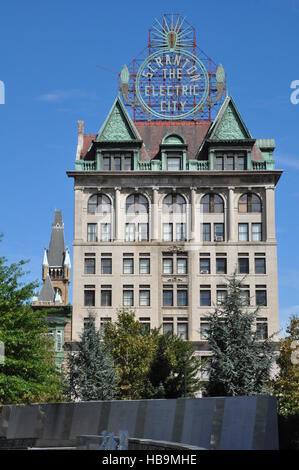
(211, 423)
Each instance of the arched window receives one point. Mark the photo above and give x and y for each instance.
(211, 203)
(250, 202)
(136, 204)
(99, 203)
(173, 139)
(174, 203)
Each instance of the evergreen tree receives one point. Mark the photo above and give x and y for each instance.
(28, 373)
(286, 385)
(91, 371)
(240, 363)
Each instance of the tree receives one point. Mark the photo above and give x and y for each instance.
(132, 351)
(28, 373)
(91, 372)
(286, 385)
(240, 362)
(174, 368)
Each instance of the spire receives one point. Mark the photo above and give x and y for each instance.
(47, 293)
(56, 248)
(67, 259)
(45, 258)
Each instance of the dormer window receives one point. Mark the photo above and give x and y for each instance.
(174, 162)
(116, 161)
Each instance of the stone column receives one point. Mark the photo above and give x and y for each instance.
(193, 214)
(230, 215)
(78, 229)
(117, 222)
(270, 214)
(155, 214)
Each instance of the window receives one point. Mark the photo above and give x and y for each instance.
(130, 233)
(128, 265)
(99, 203)
(89, 296)
(144, 265)
(128, 164)
(106, 265)
(243, 232)
(182, 265)
(204, 265)
(59, 340)
(106, 232)
(242, 163)
(143, 232)
(261, 328)
(117, 163)
(204, 330)
(260, 265)
(174, 203)
(221, 267)
(180, 232)
(230, 163)
(205, 297)
(182, 328)
(136, 204)
(219, 232)
(86, 322)
(104, 322)
(182, 296)
(250, 202)
(211, 203)
(106, 296)
(144, 296)
(221, 296)
(168, 326)
(245, 295)
(173, 163)
(219, 163)
(128, 296)
(256, 232)
(206, 232)
(167, 296)
(167, 265)
(106, 164)
(146, 324)
(90, 265)
(167, 232)
(243, 265)
(92, 232)
(261, 296)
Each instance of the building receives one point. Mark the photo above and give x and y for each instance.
(53, 297)
(167, 204)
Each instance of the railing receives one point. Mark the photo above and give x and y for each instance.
(259, 165)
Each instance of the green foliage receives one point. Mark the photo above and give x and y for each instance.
(240, 363)
(286, 385)
(91, 371)
(29, 373)
(132, 350)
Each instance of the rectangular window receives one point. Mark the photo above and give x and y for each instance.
(262, 328)
(104, 322)
(128, 297)
(106, 164)
(221, 296)
(182, 265)
(130, 233)
(245, 296)
(230, 163)
(59, 340)
(243, 232)
(256, 232)
(117, 163)
(221, 266)
(173, 163)
(92, 232)
(205, 265)
(205, 297)
(261, 297)
(144, 296)
(206, 232)
(146, 324)
(204, 330)
(180, 232)
(128, 266)
(143, 232)
(106, 265)
(128, 164)
(219, 232)
(260, 265)
(182, 297)
(168, 327)
(243, 265)
(106, 296)
(144, 266)
(242, 163)
(182, 329)
(89, 296)
(168, 297)
(219, 163)
(167, 232)
(106, 232)
(167, 266)
(90, 265)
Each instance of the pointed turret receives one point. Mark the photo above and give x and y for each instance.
(56, 248)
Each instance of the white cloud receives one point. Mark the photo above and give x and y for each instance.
(57, 96)
(288, 161)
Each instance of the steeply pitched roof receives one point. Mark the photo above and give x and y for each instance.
(56, 248)
(47, 293)
(228, 124)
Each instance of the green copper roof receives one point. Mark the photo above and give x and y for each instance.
(228, 124)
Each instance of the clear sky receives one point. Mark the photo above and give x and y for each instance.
(51, 59)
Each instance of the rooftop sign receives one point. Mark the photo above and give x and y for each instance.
(174, 80)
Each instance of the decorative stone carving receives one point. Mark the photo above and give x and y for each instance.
(116, 129)
(229, 127)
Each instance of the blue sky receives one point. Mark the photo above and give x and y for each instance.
(51, 54)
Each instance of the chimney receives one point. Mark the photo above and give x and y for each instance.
(80, 139)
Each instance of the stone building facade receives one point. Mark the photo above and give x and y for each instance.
(164, 210)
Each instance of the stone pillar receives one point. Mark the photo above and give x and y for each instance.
(230, 215)
(117, 221)
(78, 213)
(193, 214)
(270, 214)
(155, 214)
